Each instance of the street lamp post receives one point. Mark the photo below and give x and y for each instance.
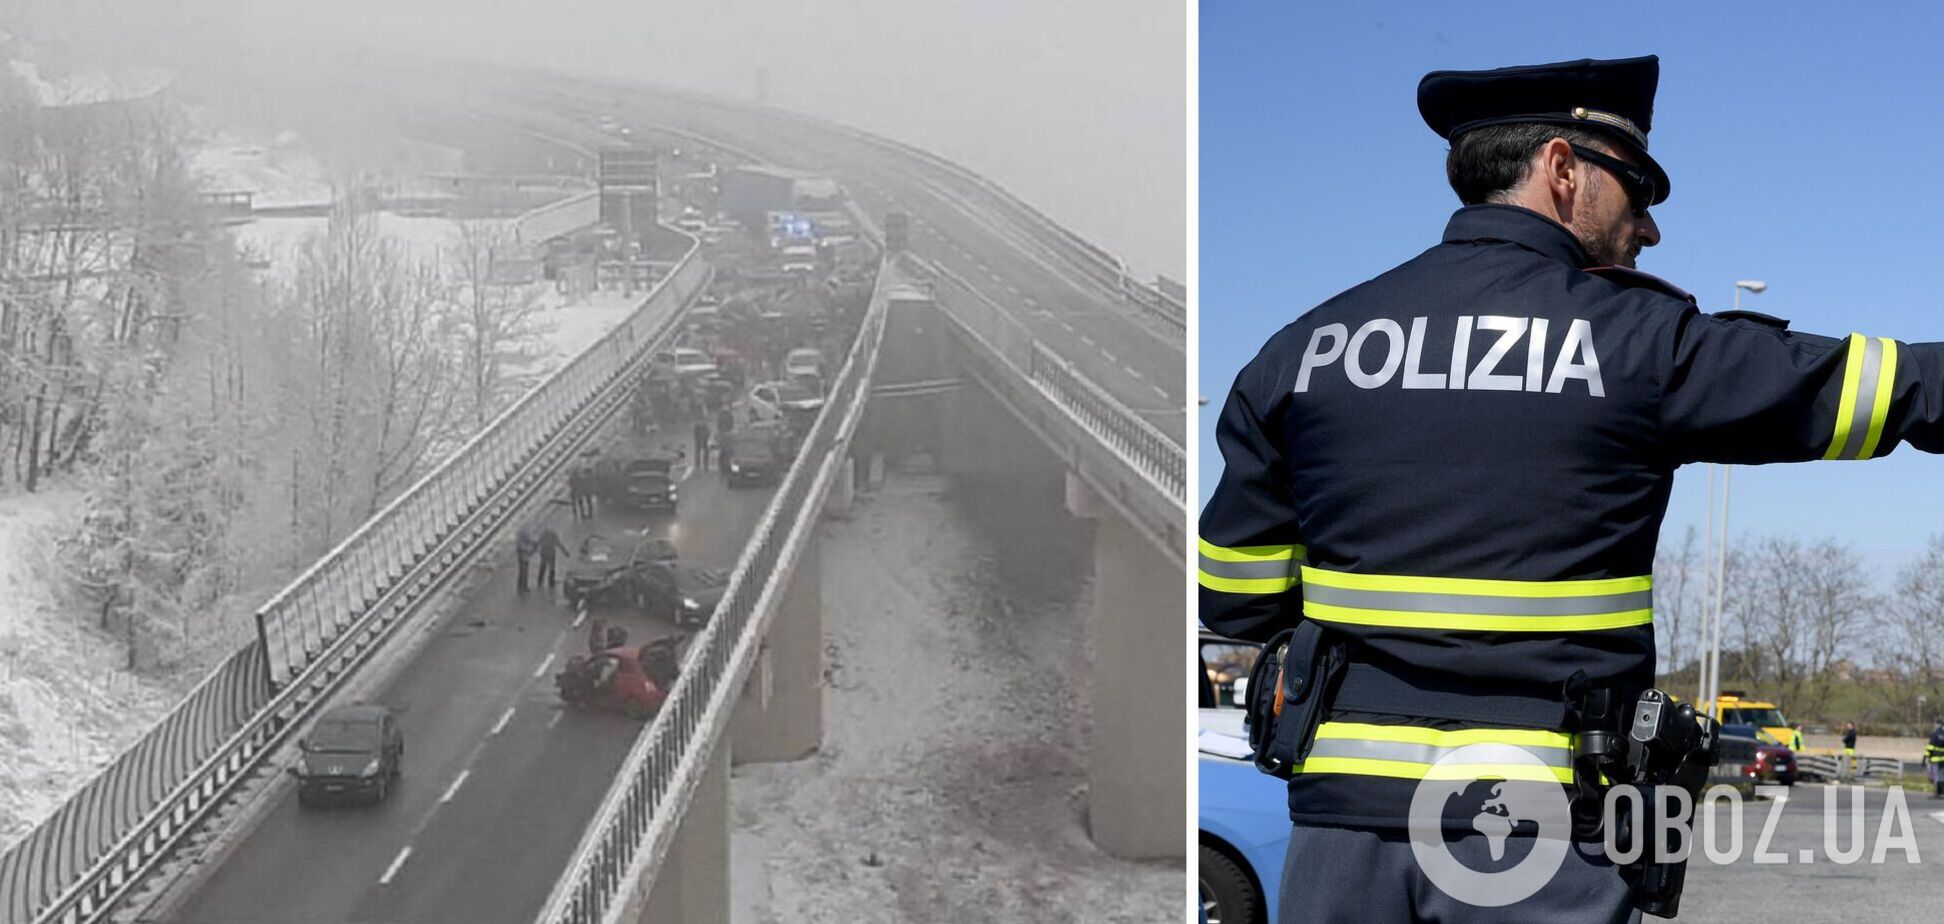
(1710, 669)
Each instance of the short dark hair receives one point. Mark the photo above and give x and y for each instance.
(1487, 162)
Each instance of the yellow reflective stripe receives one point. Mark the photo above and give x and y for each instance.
(1250, 552)
(1472, 622)
(1230, 585)
(1445, 738)
(1406, 770)
(1478, 586)
(1238, 582)
(1880, 408)
(1846, 406)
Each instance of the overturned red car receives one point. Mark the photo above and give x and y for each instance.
(633, 681)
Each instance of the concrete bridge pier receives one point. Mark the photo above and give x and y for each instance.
(1136, 618)
(780, 714)
(692, 886)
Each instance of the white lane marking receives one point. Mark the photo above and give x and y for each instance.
(1938, 817)
(504, 718)
(1110, 357)
(555, 720)
(454, 788)
(1084, 338)
(1159, 390)
(396, 862)
(1132, 372)
(580, 616)
(548, 662)
(1066, 324)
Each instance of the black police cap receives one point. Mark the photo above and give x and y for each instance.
(1613, 97)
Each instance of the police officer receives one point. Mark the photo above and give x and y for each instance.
(1458, 471)
(1849, 750)
(1934, 759)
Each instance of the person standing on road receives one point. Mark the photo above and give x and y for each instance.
(1449, 481)
(525, 543)
(577, 488)
(549, 545)
(702, 444)
(590, 488)
(1849, 749)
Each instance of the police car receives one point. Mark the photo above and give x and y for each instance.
(1244, 819)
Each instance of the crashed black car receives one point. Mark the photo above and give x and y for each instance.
(679, 592)
(598, 569)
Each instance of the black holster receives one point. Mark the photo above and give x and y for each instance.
(1289, 688)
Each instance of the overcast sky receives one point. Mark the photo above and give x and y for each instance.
(1079, 107)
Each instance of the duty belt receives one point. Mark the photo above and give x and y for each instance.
(1476, 605)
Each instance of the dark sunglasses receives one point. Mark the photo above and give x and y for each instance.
(1640, 187)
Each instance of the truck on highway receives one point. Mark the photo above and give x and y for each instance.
(1733, 707)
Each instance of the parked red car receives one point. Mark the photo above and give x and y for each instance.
(1774, 762)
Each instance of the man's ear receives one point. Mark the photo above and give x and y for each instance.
(1559, 168)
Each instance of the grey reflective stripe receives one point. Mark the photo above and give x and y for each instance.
(1866, 389)
(1431, 753)
(1479, 604)
(1270, 569)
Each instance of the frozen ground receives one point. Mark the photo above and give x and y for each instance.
(278, 171)
(951, 785)
(65, 704)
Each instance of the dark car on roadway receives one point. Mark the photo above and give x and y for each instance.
(646, 484)
(352, 753)
(599, 574)
(753, 457)
(697, 590)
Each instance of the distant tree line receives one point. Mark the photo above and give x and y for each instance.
(1808, 625)
(228, 428)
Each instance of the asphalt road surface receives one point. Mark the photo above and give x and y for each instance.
(500, 781)
(1798, 880)
(1007, 262)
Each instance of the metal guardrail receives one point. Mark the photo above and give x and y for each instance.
(557, 218)
(1144, 447)
(1143, 443)
(632, 830)
(85, 858)
(1830, 766)
(1109, 268)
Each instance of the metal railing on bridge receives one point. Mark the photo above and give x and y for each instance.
(1144, 447)
(1106, 267)
(85, 859)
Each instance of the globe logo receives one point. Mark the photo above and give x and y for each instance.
(1505, 793)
